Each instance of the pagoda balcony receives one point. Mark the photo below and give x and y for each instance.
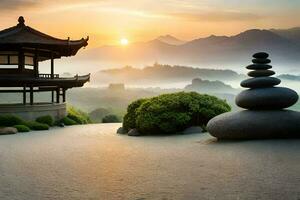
(49, 76)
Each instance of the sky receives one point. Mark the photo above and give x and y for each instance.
(106, 22)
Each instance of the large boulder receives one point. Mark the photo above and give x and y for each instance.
(8, 131)
(249, 124)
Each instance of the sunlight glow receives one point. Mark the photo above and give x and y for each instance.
(124, 42)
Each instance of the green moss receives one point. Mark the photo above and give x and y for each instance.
(78, 116)
(37, 125)
(129, 120)
(47, 119)
(10, 120)
(22, 128)
(172, 113)
(68, 122)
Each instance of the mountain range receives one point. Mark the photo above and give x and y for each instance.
(229, 52)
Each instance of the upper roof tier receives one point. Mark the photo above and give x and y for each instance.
(29, 39)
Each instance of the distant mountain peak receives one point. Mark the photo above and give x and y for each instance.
(169, 39)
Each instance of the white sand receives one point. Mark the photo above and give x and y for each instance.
(92, 162)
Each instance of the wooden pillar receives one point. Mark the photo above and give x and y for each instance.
(31, 95)
(64, 95)
(36, 64)
(57, 95)
(21, 60)
(24, 95)
(52, 66)
(52, 96)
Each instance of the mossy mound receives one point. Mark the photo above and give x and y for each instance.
(172, 113)
(22, 128)
(47, 119)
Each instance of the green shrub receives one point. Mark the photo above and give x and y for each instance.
(22, 128)
(10, 120)
(78, 116)
(110, 119)
(47, 119)
(68, 122)
(172, 113)
(33, 125)
(129, 120)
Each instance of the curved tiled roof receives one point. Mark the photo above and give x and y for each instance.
(25, 36)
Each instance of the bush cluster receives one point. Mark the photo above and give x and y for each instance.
(47, 119)
(78, 116)
(68, 121)
(22, 128)
(37, 126)
(172, 113)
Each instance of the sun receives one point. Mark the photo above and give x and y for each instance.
(124, 42)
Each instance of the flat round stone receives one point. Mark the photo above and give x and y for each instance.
(249, 124)
(266, 98)
(259, 67)
(261, 61)
(260, 82)
(262, 55)
(261, 73)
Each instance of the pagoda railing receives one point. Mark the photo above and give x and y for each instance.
(48, 76)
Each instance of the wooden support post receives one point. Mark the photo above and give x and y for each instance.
(64, 95)
(24, 95)
(31, 95)
(21, 60)
(52, 66)
(52, 96)
(57, 95)
(36, 64)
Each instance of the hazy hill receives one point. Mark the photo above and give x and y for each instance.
(292, 34)
(211, 52)
(205, 86)
(169, 39)
(162, 74)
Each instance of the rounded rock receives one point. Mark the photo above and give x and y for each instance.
(262, 55)
(261, 73)
(261, 61)
(267, 98)
(260, 82)
(249, 124)
(258, 67)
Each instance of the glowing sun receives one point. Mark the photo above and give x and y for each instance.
(124, 42)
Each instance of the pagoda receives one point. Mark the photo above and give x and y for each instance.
(21, 50)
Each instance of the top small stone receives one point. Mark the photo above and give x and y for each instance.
(261, 55)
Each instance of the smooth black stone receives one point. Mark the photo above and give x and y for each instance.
(259, 67)
(267, 98)
(260, 82)
(262, 55)
(261, 73)
(261, 61)
(256, 125)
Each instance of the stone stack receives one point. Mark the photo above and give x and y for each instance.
(265, 116)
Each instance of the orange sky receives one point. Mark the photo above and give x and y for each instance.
(107, 21)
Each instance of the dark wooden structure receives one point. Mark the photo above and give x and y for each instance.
(21, 50)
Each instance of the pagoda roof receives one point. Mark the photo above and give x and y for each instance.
(22, 36)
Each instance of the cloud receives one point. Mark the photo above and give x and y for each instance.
(217, 16)
(16, 4)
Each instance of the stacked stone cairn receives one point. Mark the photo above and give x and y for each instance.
(265, 115)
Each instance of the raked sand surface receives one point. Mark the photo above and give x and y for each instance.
(93, 162)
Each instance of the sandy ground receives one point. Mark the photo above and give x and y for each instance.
(92, 162)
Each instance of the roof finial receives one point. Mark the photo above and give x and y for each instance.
(21, 20)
